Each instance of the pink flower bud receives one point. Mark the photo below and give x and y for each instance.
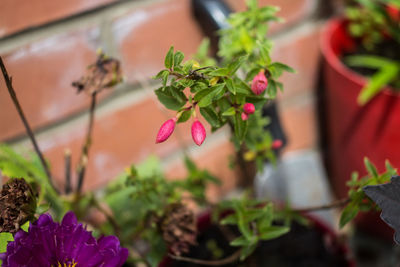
(276, 144)
(166, 130)
(259, 83)
(198, 132)
(245, 117)
(249, 108)
(393, 12)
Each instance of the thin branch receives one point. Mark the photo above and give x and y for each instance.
(85, 148)
(334, 204)
(67, 158)
(8, 81)
(230, 259)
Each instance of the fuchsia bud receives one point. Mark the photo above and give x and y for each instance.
(276, 144)
(259, 83)
(198, 132)
(245, 117)
(166, 130)
(393, 12)
(249, 108)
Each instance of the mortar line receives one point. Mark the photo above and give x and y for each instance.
(71, 22)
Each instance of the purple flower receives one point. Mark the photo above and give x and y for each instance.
(51, 244)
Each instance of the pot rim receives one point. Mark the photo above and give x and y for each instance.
(333, 60)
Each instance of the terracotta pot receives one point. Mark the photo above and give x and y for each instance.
(355, 132)
(331, 240)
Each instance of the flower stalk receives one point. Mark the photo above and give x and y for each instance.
(13, 95)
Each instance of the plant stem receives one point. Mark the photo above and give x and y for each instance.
(230, 259)
(13, 95)
(334, 204)
(67, 158)
(85, 148)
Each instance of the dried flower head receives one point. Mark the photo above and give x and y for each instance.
(17, 205)
(179, 228)
(104, 73)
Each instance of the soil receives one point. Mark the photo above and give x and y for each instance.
(388, 49)
(301, 247)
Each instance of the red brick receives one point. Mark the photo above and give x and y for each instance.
(16, 16)
(145, 35)
(291, 11)
(301, 51)
(42, 74)
(120, 138)
(215, 159)
(299, 124)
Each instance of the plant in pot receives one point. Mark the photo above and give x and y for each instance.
(143, 217)
(361, 81)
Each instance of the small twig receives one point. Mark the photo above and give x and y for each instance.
(334, 204)
(230, 259)
(11, 91)
(85, 148)
(67, 158)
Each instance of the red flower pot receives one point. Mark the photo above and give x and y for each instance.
(354, 131)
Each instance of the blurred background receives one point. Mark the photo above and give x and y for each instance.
(46, 45)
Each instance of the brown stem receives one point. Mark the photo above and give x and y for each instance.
(11, 91)
(334, 204)
(67, 159)
(230, 259)
(85, 148)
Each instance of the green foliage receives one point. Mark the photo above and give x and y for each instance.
(220, 91)
(4, 239)
(256, 222)
(139, 199)
(358, 200)
(14, 165)
(387, 73)
(370, 20)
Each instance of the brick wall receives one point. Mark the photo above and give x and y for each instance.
(46, 45)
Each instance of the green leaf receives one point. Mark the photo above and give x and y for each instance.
(230, 85)
(215, 93)
(348, 213)
(273, 232)
(169, 58)
(230, 219)
(246, 251)
(240, 128)
(282, 67)
(370, 168)
(235, 65)
(229, 112)
(179, 56)
(241, 241)
(4, 239)
(185, 116)
(211, 116)
(220, 72)
(373, 62)
(169, 99)
(377, 82)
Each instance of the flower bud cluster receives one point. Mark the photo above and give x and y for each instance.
(168, 127)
